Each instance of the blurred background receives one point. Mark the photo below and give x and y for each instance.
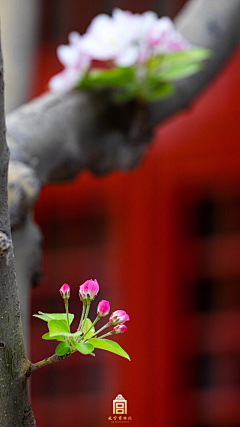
(163, 241)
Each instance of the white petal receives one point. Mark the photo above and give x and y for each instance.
(147, 19)
(67, 55)
(122, 15)
(128, 57)
(98, 49)
(100, 24)
(74, 37)
(166, 22)
(57, 83)
(64, 81)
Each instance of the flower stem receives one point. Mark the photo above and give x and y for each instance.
(66, 307)
(95, 321)
(100, 330)
(83, 312)
(109, 333)
(86, 313)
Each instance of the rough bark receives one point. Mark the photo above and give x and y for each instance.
(15, 409)
(55, 137)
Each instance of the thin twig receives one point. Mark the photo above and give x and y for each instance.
(48, 361)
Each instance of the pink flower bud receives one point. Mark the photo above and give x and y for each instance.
(65, 291)
(118, 317)
(103, 308)
(120, 329)
(88, 290)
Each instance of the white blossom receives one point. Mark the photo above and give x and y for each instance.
(75, 61)
(125, 39)
(112, 38)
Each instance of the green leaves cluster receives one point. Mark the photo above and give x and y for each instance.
(147, 82)
(79, 341)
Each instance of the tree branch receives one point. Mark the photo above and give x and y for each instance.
(48, 361)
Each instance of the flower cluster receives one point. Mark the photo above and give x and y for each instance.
(87, 293)
(85, 339)
(123, 40)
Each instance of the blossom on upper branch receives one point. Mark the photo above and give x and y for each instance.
(162, 37)
(76, 62)
(123, 40)
(112, 38)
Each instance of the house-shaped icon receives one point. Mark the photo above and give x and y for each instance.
(120, 405)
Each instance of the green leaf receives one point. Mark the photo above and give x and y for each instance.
(75, 334)
(84, 348)
(86, 326)
(48, 337)
(196, 54)
(54, 316)
(114, 77)
(158, 91)
(179, 72)
(58, 327)
(62, 349)
(109, 345)
(128, 92)
(121, 97)
(42, 316)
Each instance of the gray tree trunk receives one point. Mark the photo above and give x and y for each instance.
(55, 137)
(15, 409)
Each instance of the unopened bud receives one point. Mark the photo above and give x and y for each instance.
(118, 317)
(120, 329)
(103, 308)
(65, 291)
(88, 290)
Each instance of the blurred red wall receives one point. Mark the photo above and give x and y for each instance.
(163, 242)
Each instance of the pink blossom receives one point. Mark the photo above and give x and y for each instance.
(118, 317)
(65, 291)
(162, 37)
(75, 61)
(88, 290)
(103, 308)
(120, 329)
